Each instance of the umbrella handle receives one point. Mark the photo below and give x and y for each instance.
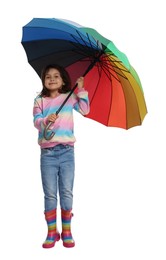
(57, 112)
(45, 132)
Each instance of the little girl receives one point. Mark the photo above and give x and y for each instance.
(57, 154)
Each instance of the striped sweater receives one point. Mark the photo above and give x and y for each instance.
(63, 126)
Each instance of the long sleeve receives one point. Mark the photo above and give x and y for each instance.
(39, 120)
(81, 104)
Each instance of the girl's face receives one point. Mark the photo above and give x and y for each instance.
(53, 80)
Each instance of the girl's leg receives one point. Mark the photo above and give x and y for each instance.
(66, 181)
(66, 177)
(49, 175)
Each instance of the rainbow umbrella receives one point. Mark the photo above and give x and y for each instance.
(115, 92)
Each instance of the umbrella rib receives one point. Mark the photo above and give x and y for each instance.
(110, 67)
(120, 74)
(89, 41)
(97, 43)
(113, 66)
(92, 56)
(116, 61)
(108, 73)
(81, 51)
(99, 73)
(85, 41)
(86, 46)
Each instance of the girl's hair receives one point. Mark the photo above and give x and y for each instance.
(64, 75)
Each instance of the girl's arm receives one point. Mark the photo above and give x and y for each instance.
(81, 99)
(39, 121)
(82, 102)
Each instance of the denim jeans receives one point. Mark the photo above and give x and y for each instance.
(57, 172)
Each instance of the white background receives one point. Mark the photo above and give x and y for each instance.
(119, 194)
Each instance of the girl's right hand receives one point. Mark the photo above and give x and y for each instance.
(52, 118)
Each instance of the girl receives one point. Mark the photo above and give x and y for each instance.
(57, 154)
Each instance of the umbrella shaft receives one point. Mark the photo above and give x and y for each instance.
(88, 69)
(59, 109)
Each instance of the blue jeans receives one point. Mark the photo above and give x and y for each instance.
(57, 172)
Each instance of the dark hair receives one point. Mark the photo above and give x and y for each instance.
(64, 75)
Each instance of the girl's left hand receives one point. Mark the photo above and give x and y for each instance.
(80, 82)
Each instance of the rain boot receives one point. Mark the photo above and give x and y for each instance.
(66, 235)
(53, 235)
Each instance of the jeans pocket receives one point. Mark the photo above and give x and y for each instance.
(46, 151)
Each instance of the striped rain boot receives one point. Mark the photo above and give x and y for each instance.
(66, 235)
(53, 235)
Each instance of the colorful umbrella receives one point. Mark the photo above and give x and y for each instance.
(115, 92)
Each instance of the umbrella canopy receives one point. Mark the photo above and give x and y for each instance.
(115, 92)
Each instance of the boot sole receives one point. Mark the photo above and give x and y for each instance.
(68, 245)
(52, 244)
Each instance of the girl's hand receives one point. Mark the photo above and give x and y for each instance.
(80, 82)
(52, 118)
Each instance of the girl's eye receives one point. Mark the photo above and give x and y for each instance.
(55, 77)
